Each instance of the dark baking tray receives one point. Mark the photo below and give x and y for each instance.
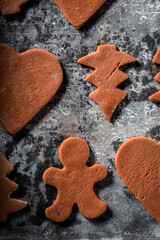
(134, 26)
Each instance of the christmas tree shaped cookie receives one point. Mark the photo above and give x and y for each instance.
(156, 97)
(106, 61)
(7, 205)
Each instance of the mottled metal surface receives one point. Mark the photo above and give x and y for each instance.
(133, 25)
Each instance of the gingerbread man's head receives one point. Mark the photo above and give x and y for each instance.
(74, 153)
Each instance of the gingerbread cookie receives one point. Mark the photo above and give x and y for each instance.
(75, 182)
(8, 7)
(138, 164)
(28, 81)
(77, 12)
(156, 97)
(106, 61)
(7, 205)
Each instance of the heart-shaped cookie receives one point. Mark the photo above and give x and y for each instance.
(8, 7)
(27, 82)
(138, 164)
(77, 12)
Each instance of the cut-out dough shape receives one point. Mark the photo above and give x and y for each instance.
(106, 61)
(138, 164)
(77, 12)
(75, 182)
(7, 205)
(28, 81)
(8, 7)
(156, 97)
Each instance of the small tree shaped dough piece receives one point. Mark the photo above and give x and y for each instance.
(75, 182)
(106, 61)
(7, 204)
(156, 97)
(8, 7)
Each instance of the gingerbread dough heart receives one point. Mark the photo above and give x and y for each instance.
(77, 12)
(27, 82)
(8, 7)
(138, 164)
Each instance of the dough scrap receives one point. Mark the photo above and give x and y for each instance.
(75, 182)
(7, 205)
(8, 7)
(28, 82)
(138, 164)
(106, 61)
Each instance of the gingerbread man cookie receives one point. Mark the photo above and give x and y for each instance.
(75, 182)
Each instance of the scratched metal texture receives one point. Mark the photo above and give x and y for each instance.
(134, 26)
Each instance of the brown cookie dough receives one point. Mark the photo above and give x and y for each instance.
(77, 12)
(138, 164)
(8, 7)
(7, 205)
(28, 81)
(156, 97)
(106, 61)
(75, 182)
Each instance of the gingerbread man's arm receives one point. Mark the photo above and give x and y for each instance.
(53, 176)
(98, 172)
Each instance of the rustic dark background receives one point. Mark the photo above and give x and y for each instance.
(134, 26)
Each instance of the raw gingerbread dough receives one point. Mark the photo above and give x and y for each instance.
(27, 82)
(156, 97)
(77, 12)
(75, 182)
(106, 61)
(8, 7)
(7, 205)
(138, 164)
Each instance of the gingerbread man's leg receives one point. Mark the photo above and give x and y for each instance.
(90, 205)
(61, 209)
